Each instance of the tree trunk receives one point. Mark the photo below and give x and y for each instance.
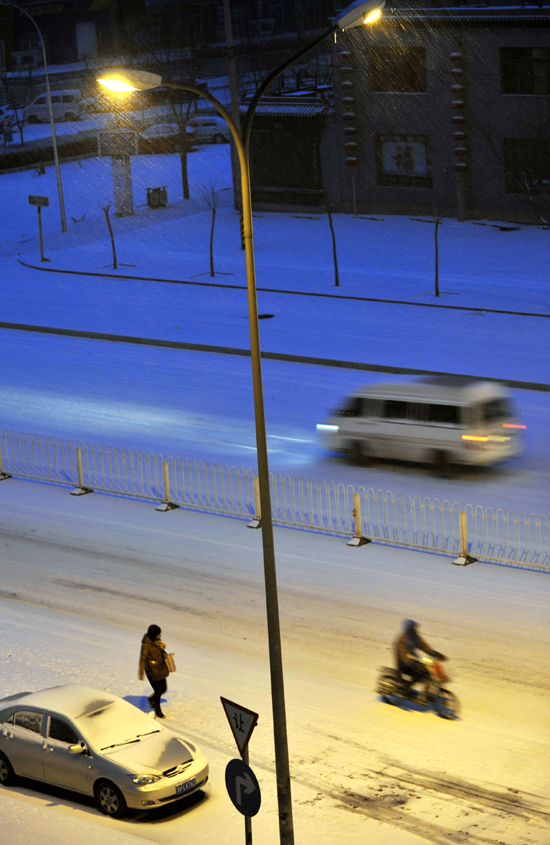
(436, 258)
(184, 176)
(335, 256)
(106, 210)
(212, 243)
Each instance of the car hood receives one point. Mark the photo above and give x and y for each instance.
(155, 753)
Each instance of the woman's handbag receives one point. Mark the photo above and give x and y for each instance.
(170, 663)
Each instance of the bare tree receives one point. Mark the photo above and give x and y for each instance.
(210, 192)
(334, 253)
(105, 209)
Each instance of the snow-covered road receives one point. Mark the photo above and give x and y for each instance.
(199, 405)
(82, 578)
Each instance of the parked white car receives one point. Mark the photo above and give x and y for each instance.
(96, 743)
(210, 129)
(66, 105)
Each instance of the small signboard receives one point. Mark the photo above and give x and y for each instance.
(41, 202)
(243, 787)
(241, 721)
(118, 142)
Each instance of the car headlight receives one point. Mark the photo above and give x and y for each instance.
(143, 780)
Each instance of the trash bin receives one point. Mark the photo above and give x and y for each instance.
(157, 197)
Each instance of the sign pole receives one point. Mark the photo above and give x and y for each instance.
(247, 819)
(40, 203)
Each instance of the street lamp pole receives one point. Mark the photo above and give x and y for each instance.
(359, 12)
(50, 109)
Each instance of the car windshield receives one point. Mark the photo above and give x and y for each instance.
(111, 723)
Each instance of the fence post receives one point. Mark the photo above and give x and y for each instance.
(166, 505)
(464, 557)
(3, 475)
(80, 489)
(257, 521)
(357, 539)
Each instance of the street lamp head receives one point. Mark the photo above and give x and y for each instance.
(122, 80)
(359, 13)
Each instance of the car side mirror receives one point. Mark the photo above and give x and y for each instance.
(79, 748)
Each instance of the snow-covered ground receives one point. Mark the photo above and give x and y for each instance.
(199, 405)
(82, 578)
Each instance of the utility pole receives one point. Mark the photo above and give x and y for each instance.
(234, 102)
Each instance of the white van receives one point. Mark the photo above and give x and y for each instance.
(66, 105)
(210, 129)
(438, 420)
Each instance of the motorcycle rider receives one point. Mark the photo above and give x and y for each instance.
(406, 656)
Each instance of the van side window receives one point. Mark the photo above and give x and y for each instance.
(56, 98)
(41, 101)
(446, 414)
(394, 409)
(68, 98)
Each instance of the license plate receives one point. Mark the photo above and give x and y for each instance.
(185, 787)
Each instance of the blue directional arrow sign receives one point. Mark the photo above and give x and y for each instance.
(243, 788)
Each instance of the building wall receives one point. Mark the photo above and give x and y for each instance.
(490, 115)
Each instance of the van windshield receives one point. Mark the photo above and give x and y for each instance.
(496, 409)
(352, 408)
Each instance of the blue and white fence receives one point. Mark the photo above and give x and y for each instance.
(397, 519)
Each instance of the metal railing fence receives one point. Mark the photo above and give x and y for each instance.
(397, 519)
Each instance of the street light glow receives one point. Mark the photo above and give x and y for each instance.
(372, 16)
(116, 85)
(124, 81)
(359, 13)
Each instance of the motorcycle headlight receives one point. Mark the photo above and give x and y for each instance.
(143, 780)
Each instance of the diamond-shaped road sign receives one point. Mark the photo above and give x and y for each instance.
(241, 721)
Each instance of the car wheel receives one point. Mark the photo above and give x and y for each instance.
(71, 116)
(442, 463)
(32, 119)
(362, 452)
(7, 775)
(110, 800)
(219, 139)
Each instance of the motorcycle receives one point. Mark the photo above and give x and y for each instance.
(392, 687)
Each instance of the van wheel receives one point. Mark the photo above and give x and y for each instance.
(71, 116)
(32, 119)
(442, 463)
(219, 139)
(362, 452)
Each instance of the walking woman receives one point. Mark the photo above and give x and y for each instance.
(152, 663)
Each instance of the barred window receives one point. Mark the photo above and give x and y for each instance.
(525, 70)
(398, 69)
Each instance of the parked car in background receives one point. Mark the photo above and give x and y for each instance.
(210, 129)
(100, 103)
(164, 138)
(97, 744)
(66, 105)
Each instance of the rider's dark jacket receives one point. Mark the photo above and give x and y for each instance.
(406, 645)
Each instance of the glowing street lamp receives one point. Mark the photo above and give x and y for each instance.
(123, 80)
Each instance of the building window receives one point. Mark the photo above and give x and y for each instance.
(527, 159)
(403, 161)
(398, 69)
(525, 70)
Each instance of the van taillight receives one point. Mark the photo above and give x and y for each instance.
(513, 425)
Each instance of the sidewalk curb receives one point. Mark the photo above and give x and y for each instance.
(268, 356)
(287, 292)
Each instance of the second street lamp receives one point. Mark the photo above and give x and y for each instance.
(119, 79)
